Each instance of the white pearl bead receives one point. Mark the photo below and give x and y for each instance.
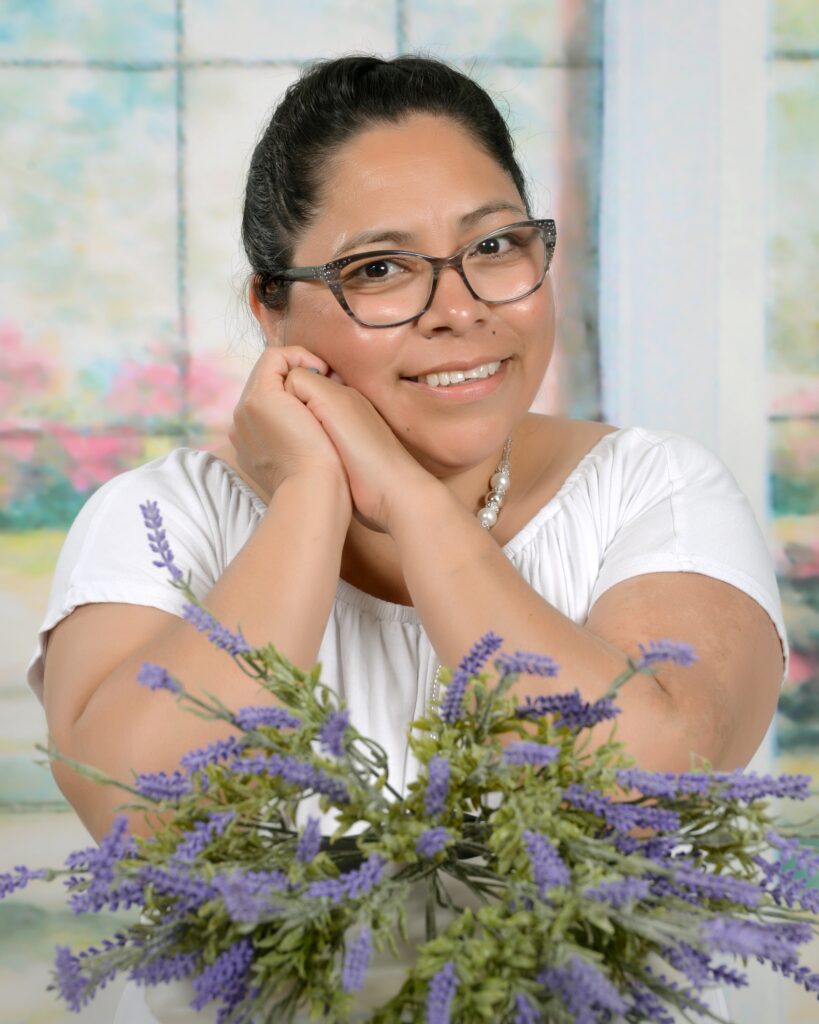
(488, 517)
(500, 482)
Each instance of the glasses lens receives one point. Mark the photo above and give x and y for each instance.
(507, 264)
(394, 288)
(386, 290)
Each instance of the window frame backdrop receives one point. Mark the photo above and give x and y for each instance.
(668, 138)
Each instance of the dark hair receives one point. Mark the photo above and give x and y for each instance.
(332, 102)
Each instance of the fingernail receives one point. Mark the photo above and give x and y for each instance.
(312, 369)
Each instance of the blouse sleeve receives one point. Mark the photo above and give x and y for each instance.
(680, 509)
(106, 558)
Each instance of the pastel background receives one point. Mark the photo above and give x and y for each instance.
(125, 129)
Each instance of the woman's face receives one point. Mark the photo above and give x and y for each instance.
(426, 186)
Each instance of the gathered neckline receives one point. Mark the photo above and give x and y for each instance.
(379, 608)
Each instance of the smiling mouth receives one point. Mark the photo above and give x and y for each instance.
(446, 378)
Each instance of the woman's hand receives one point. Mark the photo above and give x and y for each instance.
(274, 434)
(379, 469)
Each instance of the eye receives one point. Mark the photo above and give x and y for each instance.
(376, 270)
(496, 245)
(373, 272)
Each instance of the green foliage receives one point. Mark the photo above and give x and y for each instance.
(489, 910)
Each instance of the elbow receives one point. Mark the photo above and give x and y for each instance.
(96, 804)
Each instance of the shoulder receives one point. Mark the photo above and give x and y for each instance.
(207, 514)
(189, 481)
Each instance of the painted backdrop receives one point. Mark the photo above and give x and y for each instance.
(125, 128)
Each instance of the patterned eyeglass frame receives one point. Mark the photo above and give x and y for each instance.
(330, 273)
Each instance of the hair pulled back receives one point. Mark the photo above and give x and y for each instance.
(333, 101)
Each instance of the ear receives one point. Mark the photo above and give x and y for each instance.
(271, 321)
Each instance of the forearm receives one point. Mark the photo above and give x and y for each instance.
(278, 589)
(463, 586)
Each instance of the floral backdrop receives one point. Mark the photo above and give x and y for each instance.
(125, 128)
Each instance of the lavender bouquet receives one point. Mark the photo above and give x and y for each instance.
(555, 880)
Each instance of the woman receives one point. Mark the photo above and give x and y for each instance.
(346, 519)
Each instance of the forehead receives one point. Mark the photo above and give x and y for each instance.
(419, 173)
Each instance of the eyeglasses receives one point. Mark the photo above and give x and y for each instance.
(391, 287)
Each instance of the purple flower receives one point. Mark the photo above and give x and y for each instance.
(175, 882)
(72, 984)
(357, 961)
(247, 894)
(157, 540)
(803, 976)
(623, 817)
(353, 884)
(159, 786)
(271, 717)
(213, 753)
(197, 839)
(665, 650)
(100, 863)
(644, 1005)
(162, 969)
(432, 841)
(654, 848)
(665, 784)
(226, 977)
(525, 663)
(774, 942)
(441, 992)
(530, 752)
(583, 987)
(296, 773)
(789, 880)
(693, 963)
(309, 841)
(548, 869)
(800, 857)
(525, 1013)
(748, 786)
(470, 665)
(10, 883)
(220, 636)
(361, 881)
(155, 677)
(620, 892)
(437, 785)
(332, 732)
(572, 711)
(718, 887)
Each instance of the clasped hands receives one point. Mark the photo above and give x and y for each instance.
(292, 421)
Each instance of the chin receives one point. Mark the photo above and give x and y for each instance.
(459, 449)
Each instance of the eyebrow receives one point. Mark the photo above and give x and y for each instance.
(393, 236)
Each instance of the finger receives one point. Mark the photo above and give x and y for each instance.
(301, 381)
(289, 357)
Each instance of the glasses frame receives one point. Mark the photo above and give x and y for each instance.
(330, 273)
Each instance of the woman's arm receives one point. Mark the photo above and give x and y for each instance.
(279, 588)
(463, 586)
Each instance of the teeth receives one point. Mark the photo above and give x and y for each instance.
(444, 378)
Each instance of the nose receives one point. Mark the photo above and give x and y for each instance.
(452, 307)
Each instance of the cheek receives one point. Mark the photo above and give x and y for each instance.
(534, 321)
(360, 356)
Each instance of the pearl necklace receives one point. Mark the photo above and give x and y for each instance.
(499, 485)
